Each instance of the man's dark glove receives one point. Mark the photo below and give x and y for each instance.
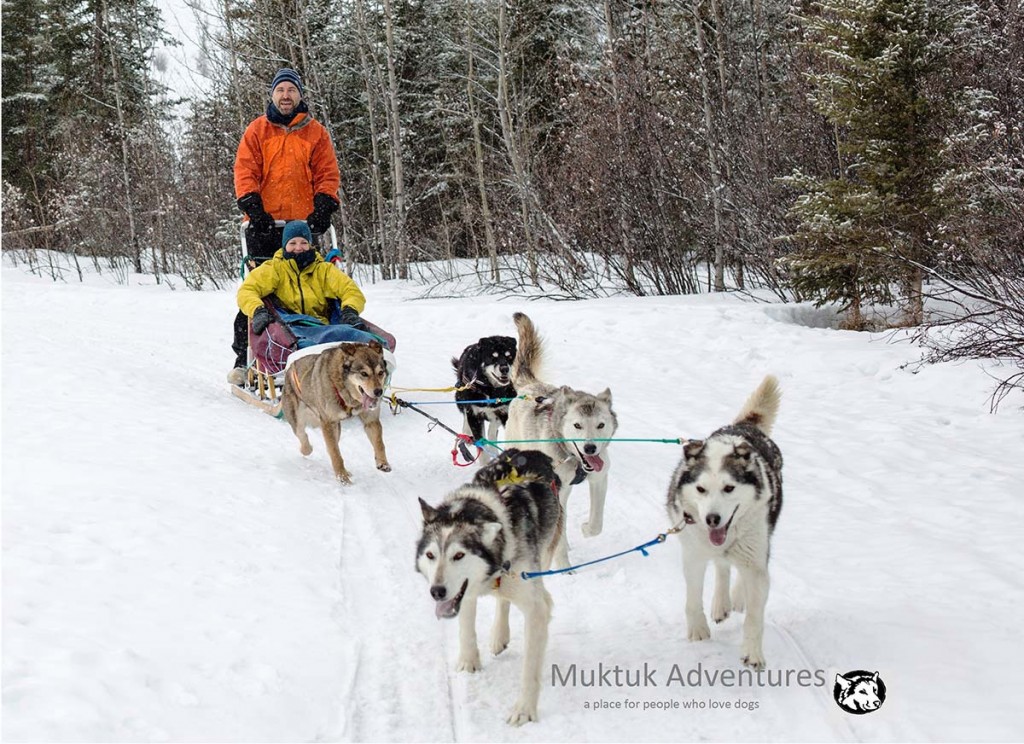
(259, 220)
(260, 320)
(349, 316)
(319, 220)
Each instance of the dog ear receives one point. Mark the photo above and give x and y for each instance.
(605, 396)
(843, 682)
(542, 404)
(470, 363)
(429, 512)
(491, 530)
(692, 449)
(375, 345)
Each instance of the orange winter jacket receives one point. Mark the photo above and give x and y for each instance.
(286, 166)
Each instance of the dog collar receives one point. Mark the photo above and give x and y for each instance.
(570, 456)
(341, 401)
(504, 570)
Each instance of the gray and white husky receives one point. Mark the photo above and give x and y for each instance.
(544, 411)
(728, 491)
(479, 541)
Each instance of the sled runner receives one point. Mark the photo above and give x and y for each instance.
(270, 351)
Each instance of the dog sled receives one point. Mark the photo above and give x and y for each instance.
(291, 335)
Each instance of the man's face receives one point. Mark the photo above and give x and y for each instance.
(285, 97)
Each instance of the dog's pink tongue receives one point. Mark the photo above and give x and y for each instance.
(445, 608)
(717, 535)
(369, 402)
(595, 462)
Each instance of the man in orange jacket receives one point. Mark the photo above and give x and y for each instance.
(285, 169)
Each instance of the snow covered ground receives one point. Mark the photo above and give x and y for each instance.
(174, 570)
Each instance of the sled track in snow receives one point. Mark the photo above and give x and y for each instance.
(843, 729)
(398, 649)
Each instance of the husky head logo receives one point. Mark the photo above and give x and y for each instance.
(587, 417)
(859, 692)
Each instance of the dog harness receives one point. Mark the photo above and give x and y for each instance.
(298, 388)
(295, 381)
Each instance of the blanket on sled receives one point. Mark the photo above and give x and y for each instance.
(291, 331)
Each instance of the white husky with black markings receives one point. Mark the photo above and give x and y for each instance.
(479, 541)
(547, 412)
(728, 491)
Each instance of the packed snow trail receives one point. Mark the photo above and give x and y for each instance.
(384, 699)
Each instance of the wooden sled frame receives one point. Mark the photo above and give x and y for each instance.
(260, 390)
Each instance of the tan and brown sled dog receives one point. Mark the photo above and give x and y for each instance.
(322, 390)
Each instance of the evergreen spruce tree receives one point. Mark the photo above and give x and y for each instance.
(880, 83)
(29, 78)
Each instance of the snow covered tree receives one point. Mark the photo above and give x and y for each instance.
(880, 80)
(28, 82)
(81, 125)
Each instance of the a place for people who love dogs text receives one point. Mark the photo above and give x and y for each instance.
(656, 705)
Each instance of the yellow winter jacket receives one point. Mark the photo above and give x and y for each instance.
(304, 292)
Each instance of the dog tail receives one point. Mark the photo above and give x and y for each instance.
(762, 405)
(529, 352)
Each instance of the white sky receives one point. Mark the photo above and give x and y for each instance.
(174, 569)
(182, 71)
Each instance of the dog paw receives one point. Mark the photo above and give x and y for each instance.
(720, 606)
(499, 642)
(589, 531)
(522, 713)
(469, 663)
(344, 478)
(306, 449)
(698, 631)
(752, 657)
(383, 467)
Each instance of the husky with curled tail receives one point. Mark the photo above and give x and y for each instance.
(727, 492)
(544, 412)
